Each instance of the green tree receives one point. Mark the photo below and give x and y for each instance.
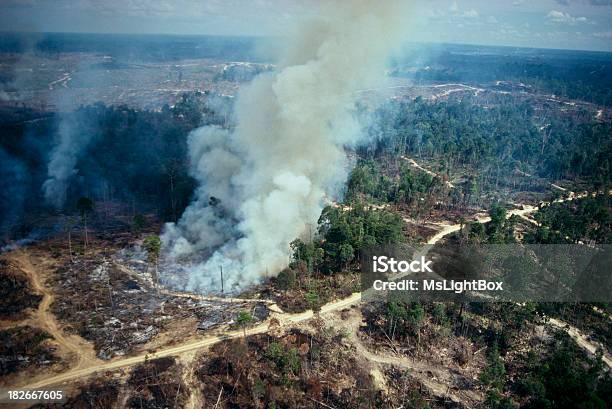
(494, 373)
(243, 319)
(416, 317)
(153, 246)
(497, 224)
(287, 360)
(314, 301)
(566, 378)
(439, 314)
(495, 400)
(396, 313)
(139, 222)
(308, 253)
(346, 254)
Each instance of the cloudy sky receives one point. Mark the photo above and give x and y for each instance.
(574, 24)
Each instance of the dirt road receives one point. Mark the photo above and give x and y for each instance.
(580, 339)
(284, 319)
(414, 164)
(437, 378)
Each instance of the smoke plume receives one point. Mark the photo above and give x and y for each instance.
(70, 144)
(266, 180)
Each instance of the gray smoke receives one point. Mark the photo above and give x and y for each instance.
(271, 175)
(69, 146)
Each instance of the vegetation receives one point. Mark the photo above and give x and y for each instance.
(314, 302)
(491, 143)
(287, 360)
(405, 319)
(243, 319)
(342, 235)
(493, 376)
(139, 222)
(415, 190)
(500, 230)
(153, 246)
(588, 220)
(296, 370)
(140, 157)
(566, 379)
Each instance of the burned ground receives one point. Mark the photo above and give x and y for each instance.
(104, 306)
(24, 347)
(297, 370)
(119, 310)
(156, 384)
(16, 293)
(151, 385)
(108, 295)
(97, 394)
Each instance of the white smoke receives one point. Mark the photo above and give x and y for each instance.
(286, 154)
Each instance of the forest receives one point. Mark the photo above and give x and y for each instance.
(570, 74)
(494, 141)
(140, 157)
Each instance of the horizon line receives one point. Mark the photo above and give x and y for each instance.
(259, 37)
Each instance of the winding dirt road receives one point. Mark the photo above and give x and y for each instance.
(43, 318)
(435, 377)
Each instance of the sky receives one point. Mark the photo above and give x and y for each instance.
(566, 24)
